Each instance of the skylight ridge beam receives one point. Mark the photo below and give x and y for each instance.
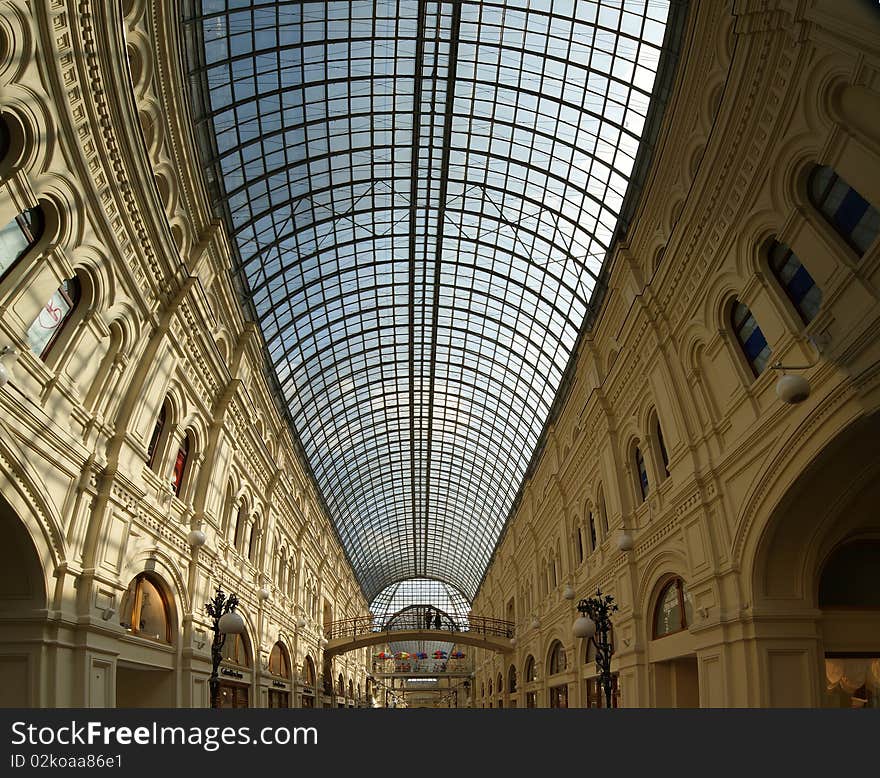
(449, 115)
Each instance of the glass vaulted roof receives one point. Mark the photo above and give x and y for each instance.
(421, 196)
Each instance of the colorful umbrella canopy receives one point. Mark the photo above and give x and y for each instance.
(438, 654)
(458, 654)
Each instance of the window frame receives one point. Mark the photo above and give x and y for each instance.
(678, 582)
(737, 328)
(73, 301)
(137, 605)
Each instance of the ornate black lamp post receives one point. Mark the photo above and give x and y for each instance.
(594, 624)
(226, 622)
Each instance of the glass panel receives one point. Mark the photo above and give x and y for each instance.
(235, 651)
(50, 321)
(663, 455)
(278, 664)
(180, 465)
(643, 474)
(154, 438)
(153, 618)
(18, 236)
(421, 197)
(668, 616)
(750, 337)
(857, 221)
(668, 611)
(796, 281)
(144, 611)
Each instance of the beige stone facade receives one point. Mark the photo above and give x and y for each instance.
(747, 497)
(758, 493)
(87, 98)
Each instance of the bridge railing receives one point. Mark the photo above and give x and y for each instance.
(363, 625)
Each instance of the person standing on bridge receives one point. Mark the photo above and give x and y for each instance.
(428, 618)
(436, 621)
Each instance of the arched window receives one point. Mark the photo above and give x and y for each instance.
(309, 674)
(351, 689)
(252, 544)
(558, 659)
(490, 688)
(544, 582)
(642, 473)
(180, 464)
(236, 650)
(279, 663)
(673, 612)
(553, 580)
(531, 669)
(500, 685)
(511, 679)
(661, 446)
(854, 218)
(281, 562)
(155, 437)
(591, 522)
(580, 545)
(145, 610)
(603, 512)
(19, 236)
(240, 525)
(795, 280)
(341, 685)
(750, 338)
(50, 321)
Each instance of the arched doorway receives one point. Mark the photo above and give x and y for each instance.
(22, 597)
(814, 577)
(674, 675)
(235, 672)
(279, 669)
(557, 666)
(849, 598)
(145, 666)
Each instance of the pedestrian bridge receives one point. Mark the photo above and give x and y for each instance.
(412, 623)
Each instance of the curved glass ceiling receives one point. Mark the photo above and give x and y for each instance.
(421, 197)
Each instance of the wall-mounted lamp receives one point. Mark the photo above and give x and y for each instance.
(794, 389)
(625, 541)
(263, 594)
(568, 592)
(8, 357)
(300, 623)
(108, 613)
(513, 642)
(535, 622)
(196, 538)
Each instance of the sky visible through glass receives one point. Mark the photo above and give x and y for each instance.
(421, 196)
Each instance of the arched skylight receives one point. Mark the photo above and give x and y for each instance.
(419, 591)
(421, 196)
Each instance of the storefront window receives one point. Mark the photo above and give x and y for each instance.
(852, 681)
(559, 696)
